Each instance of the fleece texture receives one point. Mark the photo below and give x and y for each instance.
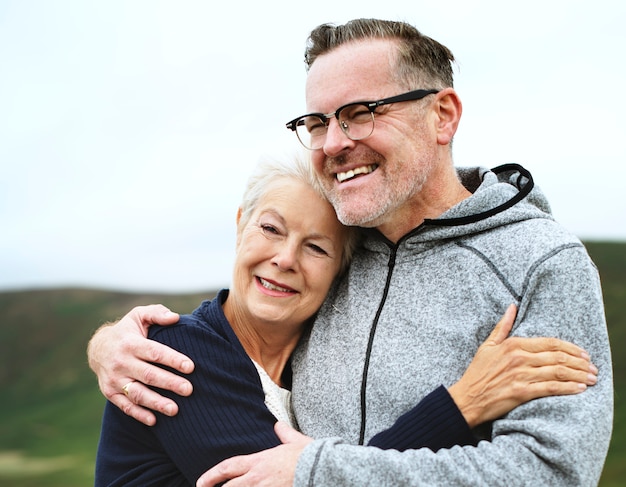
(409, 317)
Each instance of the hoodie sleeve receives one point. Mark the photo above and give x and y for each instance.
(560, 440)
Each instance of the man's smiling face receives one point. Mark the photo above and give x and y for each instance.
(370, 182)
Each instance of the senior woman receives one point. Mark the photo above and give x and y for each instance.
(290, 248)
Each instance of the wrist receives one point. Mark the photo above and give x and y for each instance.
(94, 344)
(466, 404)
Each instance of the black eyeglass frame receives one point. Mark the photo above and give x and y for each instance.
(370, 105)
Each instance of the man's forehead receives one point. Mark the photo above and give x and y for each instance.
(352, 72)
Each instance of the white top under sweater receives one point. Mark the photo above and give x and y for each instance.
(277, 399)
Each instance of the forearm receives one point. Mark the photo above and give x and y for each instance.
(434, 423)
(330, 462)
(535, 448)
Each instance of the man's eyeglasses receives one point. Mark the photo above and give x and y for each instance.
(355, 119)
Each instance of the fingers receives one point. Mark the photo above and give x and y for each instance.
(128, 407)
(149, 352)
(228, 469)
(141, 317)
(551, 388)
(138, 401)
(506, 373)
(274, 467)
(133, 367)
(551, 380)
(559, 367)
(543, 344)
(539, 352)
(121, 353)
(131, 357)
(533, 344)
(152, 314)
(503, 327)
(141, 396)
(286, 434)
(524, 376)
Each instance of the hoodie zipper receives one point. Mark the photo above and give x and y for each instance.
(524, 187)
(390, 264)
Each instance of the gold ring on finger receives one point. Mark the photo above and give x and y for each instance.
(125, 388)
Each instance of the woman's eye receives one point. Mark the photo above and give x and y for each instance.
(317, 249)
(269, 229)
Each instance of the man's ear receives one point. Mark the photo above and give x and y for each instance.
(449, 109)
(238, 215)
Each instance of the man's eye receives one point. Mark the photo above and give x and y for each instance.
(315, 125)
(362, 116)
(356, 113)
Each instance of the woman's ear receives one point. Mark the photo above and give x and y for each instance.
(238, 227)
(449, 109)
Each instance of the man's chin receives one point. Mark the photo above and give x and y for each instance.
(357, 219)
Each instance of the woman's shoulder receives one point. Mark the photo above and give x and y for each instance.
(206, 324)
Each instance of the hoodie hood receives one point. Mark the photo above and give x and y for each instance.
(489, 193)
(502, 195)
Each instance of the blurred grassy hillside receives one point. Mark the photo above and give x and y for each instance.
(51, 407)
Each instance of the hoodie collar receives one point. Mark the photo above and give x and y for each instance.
(493, 193)
(513, 174)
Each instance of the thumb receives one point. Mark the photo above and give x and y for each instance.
(503, 327)
(286, 434)
(154, 314)
(162, 315)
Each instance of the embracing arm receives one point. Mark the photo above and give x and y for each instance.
(226, 415)
(503, 374)
(120, 354)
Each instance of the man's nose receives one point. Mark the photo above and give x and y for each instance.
(336, 139)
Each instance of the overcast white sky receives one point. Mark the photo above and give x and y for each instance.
(127, 128)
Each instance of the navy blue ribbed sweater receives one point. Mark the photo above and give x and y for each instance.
(226, 414)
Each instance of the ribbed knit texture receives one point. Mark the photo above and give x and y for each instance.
(434, 423)
(225, 416)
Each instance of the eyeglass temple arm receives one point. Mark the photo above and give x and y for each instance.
(410, 96)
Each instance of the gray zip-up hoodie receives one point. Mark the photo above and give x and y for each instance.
(410, 317)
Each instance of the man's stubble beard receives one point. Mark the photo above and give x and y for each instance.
(377, 206)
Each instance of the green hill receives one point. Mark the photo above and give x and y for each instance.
(51, 407)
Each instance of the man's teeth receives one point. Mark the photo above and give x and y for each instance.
(344, 176)
(273, 287)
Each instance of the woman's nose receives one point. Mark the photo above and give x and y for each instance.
(286, 258)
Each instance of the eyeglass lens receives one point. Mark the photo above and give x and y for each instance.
(356, 121)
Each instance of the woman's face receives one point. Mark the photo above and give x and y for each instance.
(288, 254)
